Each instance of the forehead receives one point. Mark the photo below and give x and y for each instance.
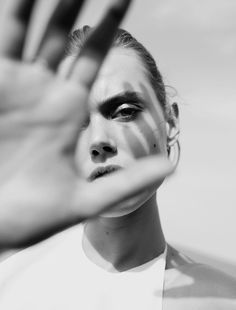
(122, 71)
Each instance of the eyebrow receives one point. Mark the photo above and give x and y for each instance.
(112, 103)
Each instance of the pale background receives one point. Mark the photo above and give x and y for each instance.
(194, 44)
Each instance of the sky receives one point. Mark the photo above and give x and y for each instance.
(194, 44)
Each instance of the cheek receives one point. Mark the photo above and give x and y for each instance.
(142, 139)
(153, 127)
(152, 135)
(135, 142)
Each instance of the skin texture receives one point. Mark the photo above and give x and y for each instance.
(139, 133)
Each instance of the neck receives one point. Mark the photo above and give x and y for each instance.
(125, 242)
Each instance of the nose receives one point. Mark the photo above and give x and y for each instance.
(102, 145)
(102, 149)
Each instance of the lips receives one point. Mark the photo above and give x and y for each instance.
(103, 171)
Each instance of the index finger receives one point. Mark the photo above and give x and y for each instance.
(86, 66)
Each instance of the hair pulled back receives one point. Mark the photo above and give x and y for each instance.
(124, 39)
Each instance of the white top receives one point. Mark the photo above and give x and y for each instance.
(57, 275)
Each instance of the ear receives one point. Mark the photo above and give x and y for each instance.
(172, 125)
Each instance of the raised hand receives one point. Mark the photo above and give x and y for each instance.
(41, 114)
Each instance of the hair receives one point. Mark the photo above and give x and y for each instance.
(124, 39)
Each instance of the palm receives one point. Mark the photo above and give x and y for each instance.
(39, 140)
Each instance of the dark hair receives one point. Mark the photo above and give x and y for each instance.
(125, 40)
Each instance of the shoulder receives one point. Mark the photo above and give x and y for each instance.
(189, 285)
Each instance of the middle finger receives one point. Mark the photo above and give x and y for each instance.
(51, 41)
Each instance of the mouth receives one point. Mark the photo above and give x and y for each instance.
(103, 171)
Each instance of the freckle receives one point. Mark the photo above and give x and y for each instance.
(107, 233)
(154, 145)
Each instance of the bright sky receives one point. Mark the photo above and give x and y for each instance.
(194, 44)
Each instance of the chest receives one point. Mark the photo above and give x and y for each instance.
(49, 288)
(63, 278)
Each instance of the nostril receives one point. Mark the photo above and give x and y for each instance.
(102, 150)
(95, 153)
(108, 149)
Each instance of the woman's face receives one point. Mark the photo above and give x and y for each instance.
(125, 122)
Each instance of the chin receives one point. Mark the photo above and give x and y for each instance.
(130, 205)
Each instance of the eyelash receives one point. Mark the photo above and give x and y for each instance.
(132, 110)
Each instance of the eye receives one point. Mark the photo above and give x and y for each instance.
(126, 112)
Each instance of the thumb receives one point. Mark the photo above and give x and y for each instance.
(105, 194)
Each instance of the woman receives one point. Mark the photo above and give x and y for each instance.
(120, 258)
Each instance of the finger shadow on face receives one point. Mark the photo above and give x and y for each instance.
(134, 142)
(149, 143)
(158, 119)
